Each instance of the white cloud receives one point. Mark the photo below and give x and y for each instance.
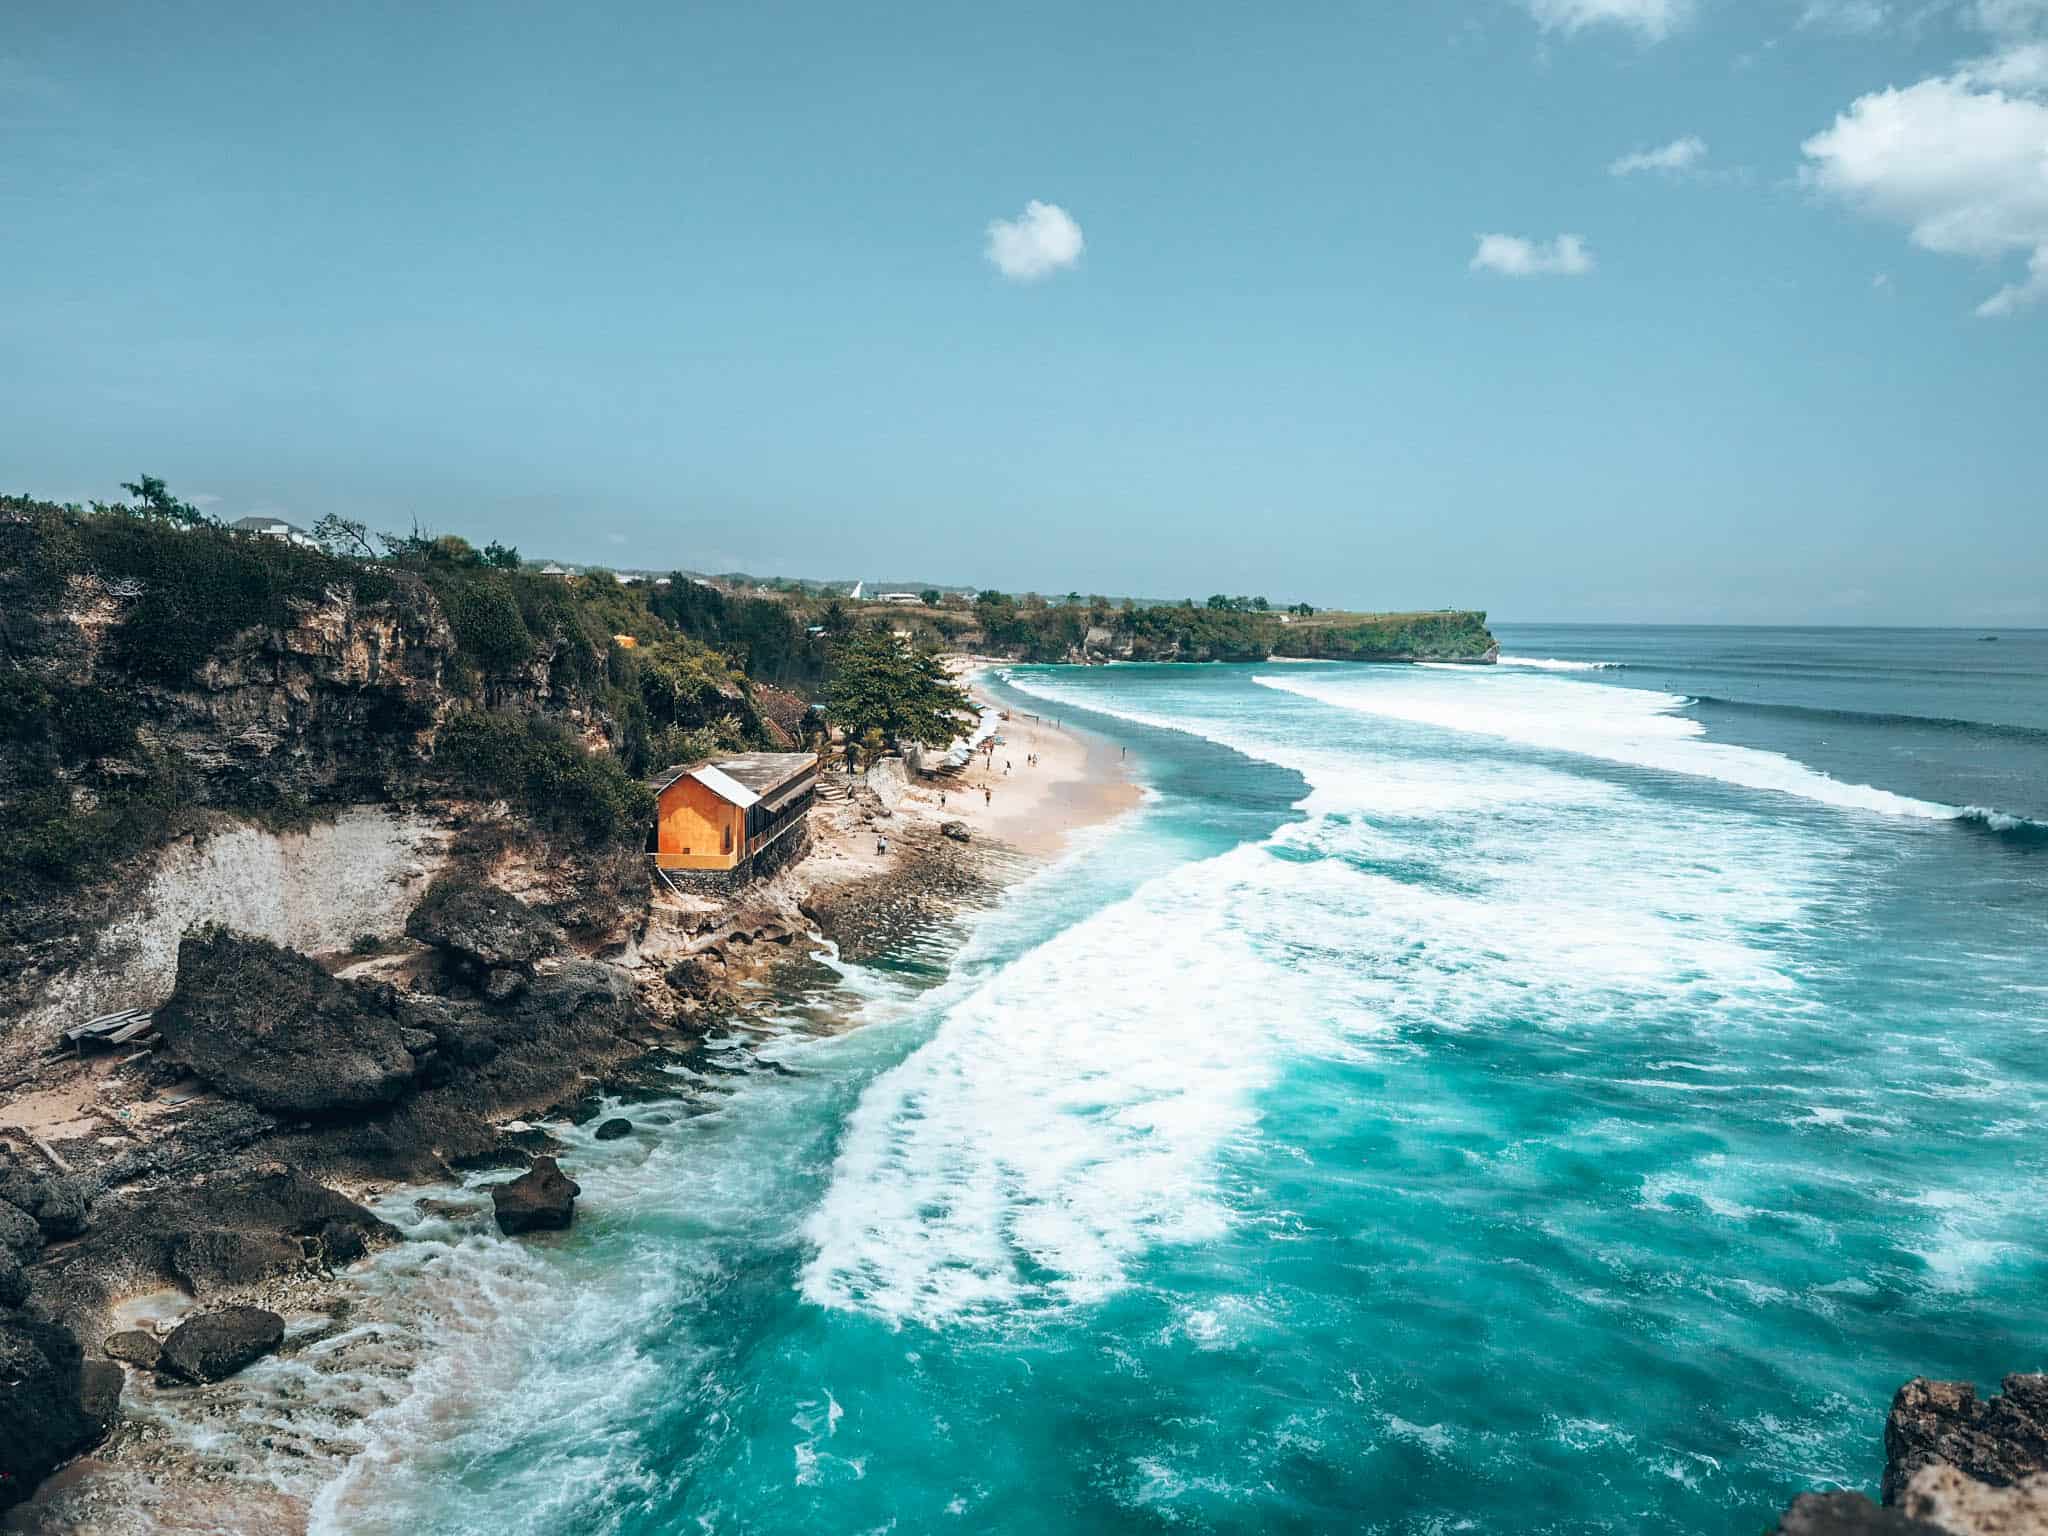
(2022, 67)
(1512, 256)
(1040, 241)
(1672, 159)
(2013, 19)
(1654, 19)
(1965, 170)
(2017, 296)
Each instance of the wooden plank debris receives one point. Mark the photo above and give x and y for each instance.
(110, 1028)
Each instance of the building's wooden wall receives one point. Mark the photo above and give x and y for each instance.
(694, 825)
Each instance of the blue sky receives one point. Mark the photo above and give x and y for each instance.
(1362, 304)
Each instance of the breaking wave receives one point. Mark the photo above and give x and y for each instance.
(1556, 664)
(1635, 726)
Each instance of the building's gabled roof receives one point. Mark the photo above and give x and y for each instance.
(259, 524)
(741, 780)
(726, 788)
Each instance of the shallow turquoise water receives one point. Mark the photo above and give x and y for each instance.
(1456, 1101)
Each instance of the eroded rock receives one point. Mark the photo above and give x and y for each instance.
(49, 1411)
(543, 1199)
(215, 1345)
(486, 927)
(2000, 1440)
(614, 1129)
(269, 1027)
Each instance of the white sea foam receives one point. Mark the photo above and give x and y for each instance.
(1623, 725)
(1064, 1117)
(1554, 664)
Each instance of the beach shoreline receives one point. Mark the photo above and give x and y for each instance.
(1020, 805)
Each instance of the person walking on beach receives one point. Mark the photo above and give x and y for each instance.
(987, 795)
(882, 844)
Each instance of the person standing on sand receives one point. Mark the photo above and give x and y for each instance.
(987, 795)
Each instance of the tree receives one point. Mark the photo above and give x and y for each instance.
(503, 556)
(931, 597)
(879, 682)
(1220, 603)
(1305, 610)
(340, 535)
(1260, 604)
(154, 500)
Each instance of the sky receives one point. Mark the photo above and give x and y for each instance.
(1632, 310)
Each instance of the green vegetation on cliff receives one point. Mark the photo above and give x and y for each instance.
(1223, 629)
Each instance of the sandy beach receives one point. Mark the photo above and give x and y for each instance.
(1040, 785)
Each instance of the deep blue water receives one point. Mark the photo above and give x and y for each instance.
(1508, 1100)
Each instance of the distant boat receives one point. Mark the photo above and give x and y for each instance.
(1987, 637)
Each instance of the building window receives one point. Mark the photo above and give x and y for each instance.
(728, 837)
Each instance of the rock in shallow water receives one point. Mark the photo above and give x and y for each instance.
(215, 1345)
(543, 1199)
(614, 1129)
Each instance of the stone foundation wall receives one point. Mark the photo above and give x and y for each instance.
(778, 855)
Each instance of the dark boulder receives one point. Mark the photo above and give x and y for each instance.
(1998, 1440)
(13, 1280)
(137, 1346)
(483, 926)
(614, 1129)
(45, 1416)
(59, 1205)
(956, 830)
(215, 1345)
(341, 1242)
(20, 1236)
(543, 1199)
(267, 1026)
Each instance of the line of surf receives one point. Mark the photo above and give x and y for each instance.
(1634, 726)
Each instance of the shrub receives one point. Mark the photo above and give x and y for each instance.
(489, 627)
(541, 768)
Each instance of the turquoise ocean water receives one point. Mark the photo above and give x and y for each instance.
(1563, 1097)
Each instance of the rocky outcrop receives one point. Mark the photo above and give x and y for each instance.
(218, 1235)
(483, 928)
(215, 1345)
(270, 1028)
(50, 1408)
(2000, 1440)
(543, 1199)
(1954, 1466)
(615, 1129)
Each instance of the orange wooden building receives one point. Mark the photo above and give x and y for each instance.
(721, 815)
